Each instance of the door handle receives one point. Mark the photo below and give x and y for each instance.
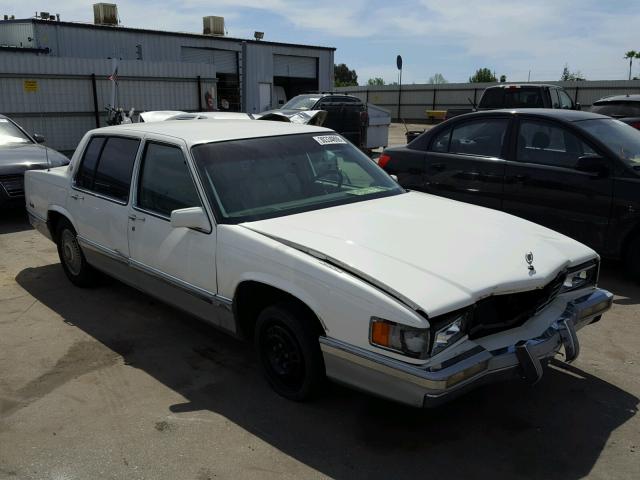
(135, 218)
(75, 196)
(438, 166)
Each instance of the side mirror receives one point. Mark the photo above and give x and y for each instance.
(193, 217)
(593, 164)
(394, 177)
(38, 138)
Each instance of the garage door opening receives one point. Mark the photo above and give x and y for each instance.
(295, 86)
(295, 74)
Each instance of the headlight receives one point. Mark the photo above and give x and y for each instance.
(410, 341)
(584, 275)
(450, 328)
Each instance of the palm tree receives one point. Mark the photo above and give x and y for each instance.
(631, 54)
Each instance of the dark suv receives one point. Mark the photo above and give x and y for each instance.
(346, 114)
(575, 172)
(625, 108)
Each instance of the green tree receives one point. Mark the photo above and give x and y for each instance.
(437, 79)
(569, 76)
(630, 55)
(375, 81)
(343, 77)
(483, 75)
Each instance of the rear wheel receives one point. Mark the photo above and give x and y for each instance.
(290, 356)
(73, 262)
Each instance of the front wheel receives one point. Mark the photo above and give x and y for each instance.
(289, 351)
(74, 264)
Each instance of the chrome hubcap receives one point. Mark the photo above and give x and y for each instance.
(71, 252)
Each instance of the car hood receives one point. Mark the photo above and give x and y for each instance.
(303, 117)
(15, 159)
(430, 252)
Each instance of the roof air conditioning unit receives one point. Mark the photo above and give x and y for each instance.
(44, 15)
(213, 26)
(105, 14)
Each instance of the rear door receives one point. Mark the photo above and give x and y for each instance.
(99, 197)
(542, 183)
(466, 161)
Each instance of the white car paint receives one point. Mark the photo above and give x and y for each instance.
(387, 258)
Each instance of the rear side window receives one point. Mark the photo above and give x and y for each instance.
(107, 165)
(492, 98)
(555, 101)
(165, 182)
(565, 100)
(479, 137)
(617, 109)
(87, 170)
(440, 143)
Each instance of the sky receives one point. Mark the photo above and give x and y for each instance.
(452, 37)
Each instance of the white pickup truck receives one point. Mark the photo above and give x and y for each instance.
(289, 235)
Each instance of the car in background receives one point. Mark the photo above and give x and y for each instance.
(516, 95)
(625, 108)
(346, 114)
(20, 151)
(574, 172)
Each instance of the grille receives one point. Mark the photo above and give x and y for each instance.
(502, 312)
(14, 185)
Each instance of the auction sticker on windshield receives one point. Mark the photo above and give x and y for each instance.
(329, 139)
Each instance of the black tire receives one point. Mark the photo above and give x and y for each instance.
(72, 259)
(286, 338)
(632, 258)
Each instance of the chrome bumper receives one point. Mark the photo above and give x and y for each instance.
(427, 387)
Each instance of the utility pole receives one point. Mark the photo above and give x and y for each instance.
(399, 65)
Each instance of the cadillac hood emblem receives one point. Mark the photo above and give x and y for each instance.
(529, 258)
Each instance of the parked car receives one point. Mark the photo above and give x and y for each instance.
(516, 95)
(346, 114)
(625, 108)
(20, 151)
(289, 235)
(574, 172)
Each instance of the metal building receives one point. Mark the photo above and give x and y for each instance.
(247, 72)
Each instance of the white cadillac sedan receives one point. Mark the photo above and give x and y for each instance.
(290, 236)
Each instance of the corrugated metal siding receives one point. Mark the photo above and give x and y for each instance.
(18, 34)
(416, 99)
(294, 66)
(225, 61)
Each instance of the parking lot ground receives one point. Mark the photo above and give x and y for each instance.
(108, 383)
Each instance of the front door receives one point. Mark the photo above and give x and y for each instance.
(181, 257)
(543, 184)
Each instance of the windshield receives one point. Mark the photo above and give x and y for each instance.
(617, 109)
(11, 134)
(301, 102)
(254, 179)
(623, 139)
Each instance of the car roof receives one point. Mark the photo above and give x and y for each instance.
(620, 98)
(555, 113)
(206, 131)
(522, 85)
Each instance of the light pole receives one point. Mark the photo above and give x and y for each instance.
(399, 65)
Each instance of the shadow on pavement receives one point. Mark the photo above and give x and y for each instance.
(614, 278)
(14, 220)
(557, 429)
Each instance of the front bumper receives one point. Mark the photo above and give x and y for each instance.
(430, 386)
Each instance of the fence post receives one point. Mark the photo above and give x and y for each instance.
(475, 95)
(96, 113)
(433, 107)
(575, 97)
(199, 94)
